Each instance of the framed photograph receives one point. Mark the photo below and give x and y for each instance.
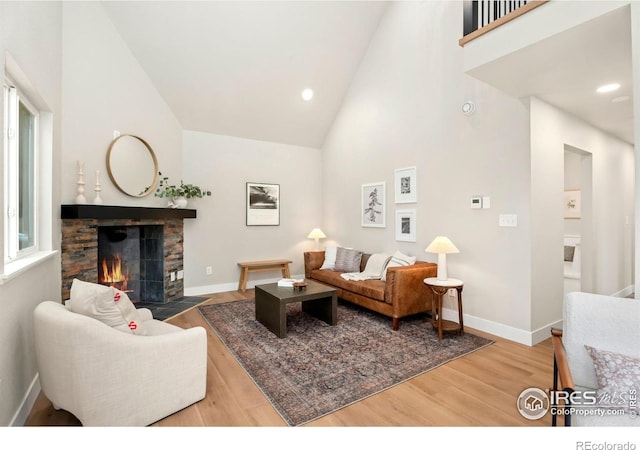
(406, 185)
(373, 205)
(263, 204)
(572, 204)
(406, 225)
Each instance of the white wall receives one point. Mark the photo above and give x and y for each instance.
(106, 89)
(31, 33)
(635, 61)
(611, 216)
(219, 236)
(404, 109)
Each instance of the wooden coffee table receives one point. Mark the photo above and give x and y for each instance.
(271, 304)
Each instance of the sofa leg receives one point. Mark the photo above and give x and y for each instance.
(396, 324)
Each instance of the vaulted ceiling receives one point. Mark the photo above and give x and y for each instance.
(238, 67)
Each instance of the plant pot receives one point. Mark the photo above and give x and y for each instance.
(178, 202)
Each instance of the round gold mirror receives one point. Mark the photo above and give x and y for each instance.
(132, 165)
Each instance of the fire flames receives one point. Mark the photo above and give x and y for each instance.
(113, 275)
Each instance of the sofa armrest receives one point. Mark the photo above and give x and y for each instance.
(560, 362)
(405, 289)
(561, 373)
(312, 261)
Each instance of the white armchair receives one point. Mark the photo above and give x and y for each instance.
(608, 323)
(109, 378)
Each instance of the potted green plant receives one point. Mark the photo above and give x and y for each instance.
(178, 195)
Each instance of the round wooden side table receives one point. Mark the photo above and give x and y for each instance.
(439, 289)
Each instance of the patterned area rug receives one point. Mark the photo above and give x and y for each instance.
(318, 368)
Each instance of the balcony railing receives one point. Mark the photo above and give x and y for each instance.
(482, 16)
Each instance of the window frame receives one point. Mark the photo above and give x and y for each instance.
(14, 96)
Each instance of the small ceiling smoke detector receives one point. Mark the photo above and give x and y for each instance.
(307, 94)
(608, 88)
(468, 107)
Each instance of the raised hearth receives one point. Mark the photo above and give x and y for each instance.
(80, 231)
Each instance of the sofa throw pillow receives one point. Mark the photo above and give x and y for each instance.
(348, 260)
(618, 378)
(106, 304)
(329, 258)
(398, 259)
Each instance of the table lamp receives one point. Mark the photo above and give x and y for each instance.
(317, 234)
(442, 245)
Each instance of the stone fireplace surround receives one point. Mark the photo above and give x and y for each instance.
(80, 240)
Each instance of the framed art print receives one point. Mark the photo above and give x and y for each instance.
(572, 204)
(263, 204)
(372, 208)
(406, 225)
(406, 185)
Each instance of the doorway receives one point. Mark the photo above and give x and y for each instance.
(578, 224)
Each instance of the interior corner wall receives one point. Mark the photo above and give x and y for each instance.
(635, 61)
(106, 89)
(219, 238)
(403, 109)
(32, 33)
(611, 208)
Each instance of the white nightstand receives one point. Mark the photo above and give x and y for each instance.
(439, 289)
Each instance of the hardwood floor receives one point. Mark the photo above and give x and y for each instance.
(479, 389)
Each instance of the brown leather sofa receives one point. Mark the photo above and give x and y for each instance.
(402, 294)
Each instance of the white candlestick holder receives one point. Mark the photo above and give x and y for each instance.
(80, 198)
(98, 199)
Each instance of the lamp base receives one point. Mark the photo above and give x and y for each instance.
(442, 267)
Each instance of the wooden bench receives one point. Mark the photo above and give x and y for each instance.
(261, 266)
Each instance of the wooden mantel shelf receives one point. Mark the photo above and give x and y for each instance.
(123, 212)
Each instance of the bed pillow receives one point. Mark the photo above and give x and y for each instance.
(398, 259)
(106, 304)
(618, 376)
(348, 260)
(329, 258)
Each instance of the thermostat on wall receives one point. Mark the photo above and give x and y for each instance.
(476, 202)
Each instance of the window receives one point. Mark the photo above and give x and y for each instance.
(20, 162)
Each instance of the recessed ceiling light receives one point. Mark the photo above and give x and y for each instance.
(622, 98)
(608, 88)
(307, 94)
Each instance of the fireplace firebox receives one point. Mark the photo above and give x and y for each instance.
(131, 258)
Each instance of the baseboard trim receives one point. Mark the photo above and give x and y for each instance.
(624, 292)
(529, 338)
(226, 287)
(21, 416)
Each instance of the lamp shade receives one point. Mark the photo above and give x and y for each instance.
(316, 233)
(442, 244)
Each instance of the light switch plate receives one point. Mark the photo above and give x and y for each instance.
(486, 202)
(508, 220)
